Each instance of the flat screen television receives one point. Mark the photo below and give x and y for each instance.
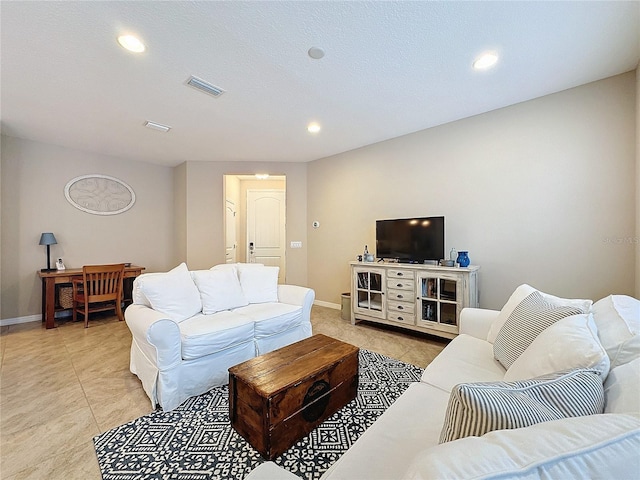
(410, 240)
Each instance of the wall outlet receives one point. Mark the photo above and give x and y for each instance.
(296, 244)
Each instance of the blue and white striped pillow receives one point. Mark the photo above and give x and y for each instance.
(532, 315)
(477, 408)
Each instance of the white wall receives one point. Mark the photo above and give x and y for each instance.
(540, 192)
(33, 179)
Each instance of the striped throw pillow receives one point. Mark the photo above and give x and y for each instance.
(532, 315)
(477, 408)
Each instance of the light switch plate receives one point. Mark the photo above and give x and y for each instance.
(296, 244)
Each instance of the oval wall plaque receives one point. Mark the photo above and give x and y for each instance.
(99, 194)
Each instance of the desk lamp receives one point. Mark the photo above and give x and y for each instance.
(48, 239)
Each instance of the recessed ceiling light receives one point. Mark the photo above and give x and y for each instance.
(131, 43)
(316, 53)
(157, 126)
(486, 60)
(262, 176)
(313, 127)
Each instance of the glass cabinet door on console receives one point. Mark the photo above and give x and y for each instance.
(439, 301)
(369, 298)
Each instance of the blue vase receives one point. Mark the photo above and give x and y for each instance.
(463, 259)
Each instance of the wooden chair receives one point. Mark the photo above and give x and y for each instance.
(99, 290)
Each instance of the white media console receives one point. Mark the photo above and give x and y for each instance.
(425, 298)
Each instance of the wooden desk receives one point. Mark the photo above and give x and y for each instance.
(53, 278)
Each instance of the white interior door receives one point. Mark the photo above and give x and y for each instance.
(230, 232)
(266, 228)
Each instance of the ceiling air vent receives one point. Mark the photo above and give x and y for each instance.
(205, 87)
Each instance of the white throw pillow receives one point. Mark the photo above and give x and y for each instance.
(532, 315)
(477, 408)
(520, 294)
(618, 320)
(219, 290)
(259, 283)
(568, 344)
(622, 389)
(172, 293)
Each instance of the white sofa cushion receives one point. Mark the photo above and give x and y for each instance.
(520, 294)
(259, 282)
(219, 290)
(569, 344)
(406, 428)
(477, 408)
(272, 318)
(622, 389)
(595, 446)
(172, 293)
(465, 359)
(618, 320)
(530, 317)
(206, 334)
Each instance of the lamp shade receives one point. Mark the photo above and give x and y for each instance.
(47, 239)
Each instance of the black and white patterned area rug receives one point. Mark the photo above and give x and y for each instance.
(196, 441)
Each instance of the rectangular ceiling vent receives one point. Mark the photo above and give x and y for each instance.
(205, 87)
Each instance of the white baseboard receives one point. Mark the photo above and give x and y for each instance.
(14, 321)
(320, 303)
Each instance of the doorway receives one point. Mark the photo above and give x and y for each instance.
(256, 232)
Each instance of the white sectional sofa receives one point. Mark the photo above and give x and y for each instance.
(188, 328)
(436, 428)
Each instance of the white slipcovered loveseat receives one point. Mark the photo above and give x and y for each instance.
(581, 423)
(188, 328)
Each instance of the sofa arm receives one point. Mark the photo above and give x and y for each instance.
(477, 321)
(296, 295)
(270, 471)
(156, 335)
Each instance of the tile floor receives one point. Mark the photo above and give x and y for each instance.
(61, 387)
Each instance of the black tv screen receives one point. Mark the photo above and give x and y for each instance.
(410, 240)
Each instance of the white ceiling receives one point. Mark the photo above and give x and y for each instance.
(390, 68)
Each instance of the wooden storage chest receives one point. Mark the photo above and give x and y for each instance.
(277, 398)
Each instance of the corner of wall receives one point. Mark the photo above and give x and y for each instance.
(637, 239)
(180, 213)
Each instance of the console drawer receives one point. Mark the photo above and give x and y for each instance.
(402, 317)
(400, 295)
(401, 283)
(404, 307)
(398, 273)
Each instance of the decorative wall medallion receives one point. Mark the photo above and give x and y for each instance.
(99, 194)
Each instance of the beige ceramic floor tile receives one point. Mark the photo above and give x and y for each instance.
(30, 384)
(20, 412)
(28, 447)
(104, 364)
(116, 399)
(16, 345)
(3, 341)
(120, 409)
(77, 463)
